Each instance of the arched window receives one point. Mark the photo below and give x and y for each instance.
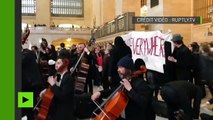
(67, 8)
(28, 7)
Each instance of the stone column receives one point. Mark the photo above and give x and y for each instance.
(43, 13)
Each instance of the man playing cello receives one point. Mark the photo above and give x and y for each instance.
(63, 90)
(136, 89)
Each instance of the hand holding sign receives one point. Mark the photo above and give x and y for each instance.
(172, 59)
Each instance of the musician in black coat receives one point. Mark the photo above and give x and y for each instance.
(179, 95)
(62, 103)
(87, 58)
(137, 91)
(43, 57)
(140, 94)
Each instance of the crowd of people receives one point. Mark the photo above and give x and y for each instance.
(75, 71)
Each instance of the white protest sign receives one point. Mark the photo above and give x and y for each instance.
(149, 46)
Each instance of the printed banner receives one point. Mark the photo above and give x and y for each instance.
(149, 46)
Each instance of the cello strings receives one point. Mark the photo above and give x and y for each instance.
(37, 103)
(100, 109)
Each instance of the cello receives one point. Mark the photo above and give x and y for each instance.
(46, 101)
(25, 35)
(114, 105)
(45, 104)
(80, 80)
(117, 101)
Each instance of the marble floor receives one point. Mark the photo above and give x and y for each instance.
(207, 109)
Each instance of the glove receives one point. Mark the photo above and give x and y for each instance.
(51, 62)
(86, 50)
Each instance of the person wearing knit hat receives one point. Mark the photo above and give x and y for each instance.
(177, 37)
(125, 67)
(126, 62)
(137, 91)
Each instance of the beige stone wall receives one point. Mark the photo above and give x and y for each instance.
(108, 10)
(97, 12)
(179, 8)
(155, 11)
(43, 12)
(184, 30)
(29, 20)
(199, 33)
(43, 15)
(118, 7)
(130, 6)
(172, 8)
(88, 18)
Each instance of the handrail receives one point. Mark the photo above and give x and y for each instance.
(121, 23)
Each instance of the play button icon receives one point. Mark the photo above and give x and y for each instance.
(25, 99)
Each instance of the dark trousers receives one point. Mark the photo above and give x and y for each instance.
(89, 84)
(169, 95)
(205, 116)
